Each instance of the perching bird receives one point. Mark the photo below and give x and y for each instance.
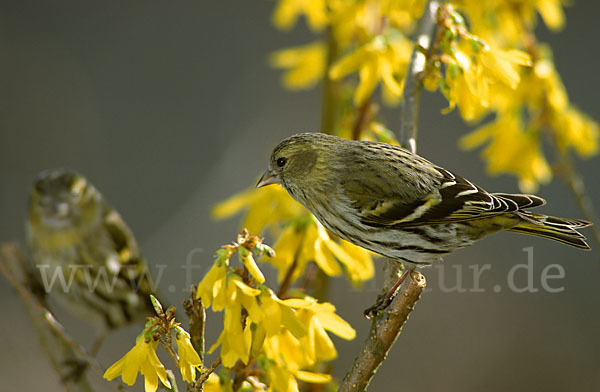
(396, 203)
(72, 232)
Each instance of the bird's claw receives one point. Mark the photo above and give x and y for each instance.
(383, 301)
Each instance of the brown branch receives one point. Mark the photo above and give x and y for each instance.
(413, 84)
(167, 343)
(577, 186)
(59, 347)
(202, 379)
(172, 380)
(197, 315)
(331, 88)
(287, 280)
(363, 118)
(385, 329)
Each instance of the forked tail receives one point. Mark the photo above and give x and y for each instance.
(558, 229)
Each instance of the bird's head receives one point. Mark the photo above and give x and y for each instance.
(295, 160)
(61, 198)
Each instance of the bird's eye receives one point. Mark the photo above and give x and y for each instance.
(281, 162)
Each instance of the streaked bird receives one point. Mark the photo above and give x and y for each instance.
(398, 204)
(84, 253)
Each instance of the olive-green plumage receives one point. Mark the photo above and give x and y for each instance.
(72, 232)
(398, 204)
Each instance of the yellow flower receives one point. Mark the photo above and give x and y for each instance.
(287, 250)
(546, 98)
(354, 20)
(286, 360)
(189, 359)
(552, 13)
(317, 248)
(511, 149)
(289, 354)
(266, 207)
(293, 337)
(212, 286)
(501, 64)
(507, 22)
(311, 377)
(281, 379)
(463, 93)
(235, 340)
(141, 358)
(356, 260)
(215, 384)
(305, 65)
(544, 87)
(276, 314)
(402, 13)
(271, 317)
(380, 59)
(479, 77)
(317, 345)
(287, 12)
(247, 259)
(575, 129)
(307, 240)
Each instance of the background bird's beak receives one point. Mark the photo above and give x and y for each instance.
(267, 179)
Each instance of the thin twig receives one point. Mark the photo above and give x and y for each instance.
(202, 379)
(331, 88)
(197, 315)
(412, 87)
(385, 329)
(363, 117)
(172, 380)
(289, 274)
(287, 280)
(577, 186)
(59, 347)
(168, 346)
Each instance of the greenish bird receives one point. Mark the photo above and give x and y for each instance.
(397, 204)
(84, 254)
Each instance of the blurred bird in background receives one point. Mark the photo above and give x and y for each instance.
(84, 254)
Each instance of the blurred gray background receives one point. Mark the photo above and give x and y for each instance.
(170, 107)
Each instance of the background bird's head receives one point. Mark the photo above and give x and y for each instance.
(62, 198)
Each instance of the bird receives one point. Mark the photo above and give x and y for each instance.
(395, 203)
(84, 254)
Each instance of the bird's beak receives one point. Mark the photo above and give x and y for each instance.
(267, 179)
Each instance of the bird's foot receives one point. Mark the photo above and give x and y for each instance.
(384, 300)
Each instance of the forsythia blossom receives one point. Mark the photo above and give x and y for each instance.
(511, 149)
(264, 209)
(141, 358)
(287, 12)
(382, 59)
(305, 64)
(284, 337)
(189, 359)
(308, 240)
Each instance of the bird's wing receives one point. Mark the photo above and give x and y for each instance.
(133, 266)
(453, 199)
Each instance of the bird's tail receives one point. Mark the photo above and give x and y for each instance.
(558, 229)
